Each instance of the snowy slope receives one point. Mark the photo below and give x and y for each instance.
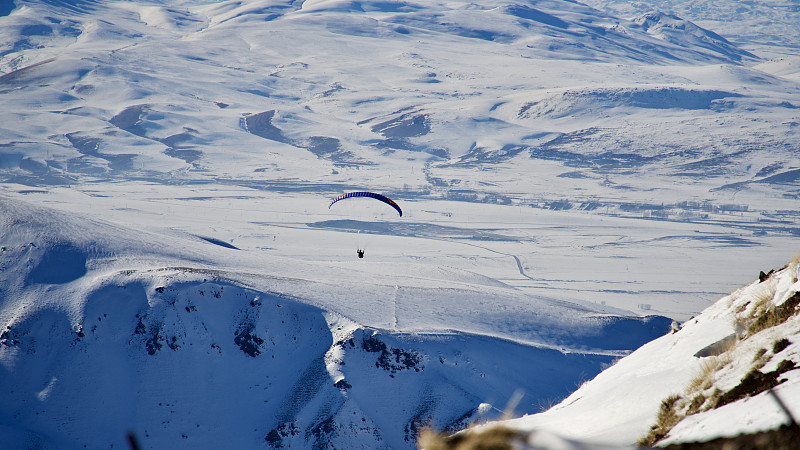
(187, 343)
(767, 26)
(564, 172)
(581, 135)
(712, 375)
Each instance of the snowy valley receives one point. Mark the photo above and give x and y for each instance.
(109, 330)
(577, 180)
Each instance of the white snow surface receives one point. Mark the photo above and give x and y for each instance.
(572, 177)
(183, 341)
(619, 405)
(579, 141)
(768, 27)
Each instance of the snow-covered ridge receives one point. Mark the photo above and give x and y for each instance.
(707, 380)
(767, 26)
(606, 101)
(674, 29)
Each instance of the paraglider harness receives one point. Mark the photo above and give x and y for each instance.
(360, 253)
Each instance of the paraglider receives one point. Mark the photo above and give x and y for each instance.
(382, 198)
(379, 197)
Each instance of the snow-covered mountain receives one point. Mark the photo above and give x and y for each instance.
(584, 123)
(571, 181)
(185, 342)
(768, 27)
(731, 370)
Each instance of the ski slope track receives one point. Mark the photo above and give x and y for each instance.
(573, 177)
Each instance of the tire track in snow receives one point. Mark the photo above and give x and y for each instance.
(516, 259)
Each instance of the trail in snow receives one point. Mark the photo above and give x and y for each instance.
(516, 258)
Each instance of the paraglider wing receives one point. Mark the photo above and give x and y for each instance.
(380, 197)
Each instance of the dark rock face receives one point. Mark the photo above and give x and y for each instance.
(392, 359)
(249, 342)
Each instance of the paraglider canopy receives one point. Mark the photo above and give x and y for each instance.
(379, 197)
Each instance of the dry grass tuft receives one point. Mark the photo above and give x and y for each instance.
(667, 418)
(762, 298)
(766, 320)
(794, 268)
(774, 315)
(494, 438)
(760, 359)
(742, 307)
(696, 405)
(705, 378)
(714, 399)
(779, 345)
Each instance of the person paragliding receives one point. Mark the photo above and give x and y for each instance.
(373, 195)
